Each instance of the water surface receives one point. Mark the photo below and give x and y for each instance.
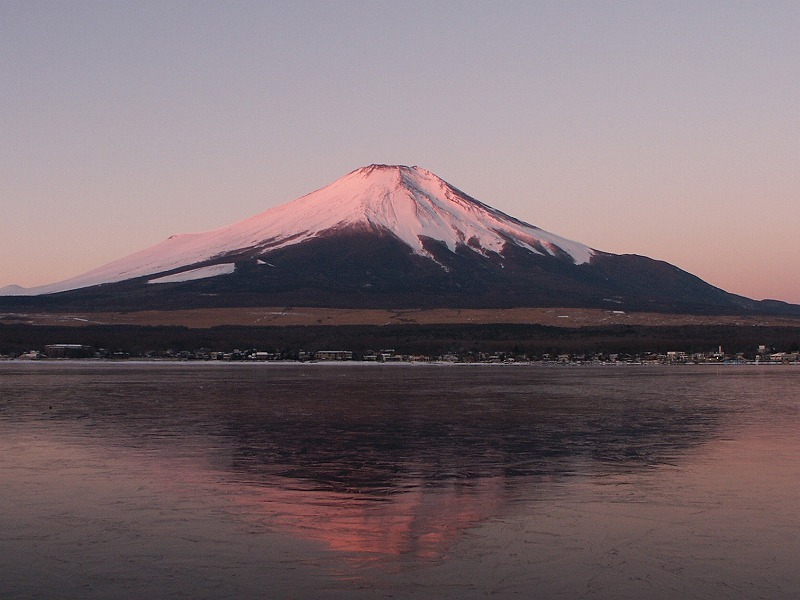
(307, 481)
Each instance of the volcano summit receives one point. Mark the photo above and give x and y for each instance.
(386, 236)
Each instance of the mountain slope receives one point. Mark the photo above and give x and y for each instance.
(407, 202)
(386, 236)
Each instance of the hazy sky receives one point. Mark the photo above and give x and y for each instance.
(669, 129)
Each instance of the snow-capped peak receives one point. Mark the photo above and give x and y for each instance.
(408, 202)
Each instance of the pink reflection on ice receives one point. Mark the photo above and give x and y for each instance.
(422, 522)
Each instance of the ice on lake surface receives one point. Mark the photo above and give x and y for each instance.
(315, 481)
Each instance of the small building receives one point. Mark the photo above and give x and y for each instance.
(68, 351)
(333, 355)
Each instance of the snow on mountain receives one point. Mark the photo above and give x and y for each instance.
(13, 290)
(407, 202)
(199, 273)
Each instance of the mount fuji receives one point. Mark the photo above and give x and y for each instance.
(384, 236)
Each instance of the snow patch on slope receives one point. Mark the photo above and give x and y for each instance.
(201, 273)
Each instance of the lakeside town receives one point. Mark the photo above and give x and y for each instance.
(762, 355)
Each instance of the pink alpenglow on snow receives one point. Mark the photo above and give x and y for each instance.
(409, 203)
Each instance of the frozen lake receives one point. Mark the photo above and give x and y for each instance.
(309, 481)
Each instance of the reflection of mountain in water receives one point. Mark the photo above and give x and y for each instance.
(389, 460)
(379, 430)
(420, 521)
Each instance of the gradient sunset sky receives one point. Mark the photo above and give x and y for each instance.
(669, 129)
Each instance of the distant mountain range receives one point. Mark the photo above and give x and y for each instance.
(391, 237)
